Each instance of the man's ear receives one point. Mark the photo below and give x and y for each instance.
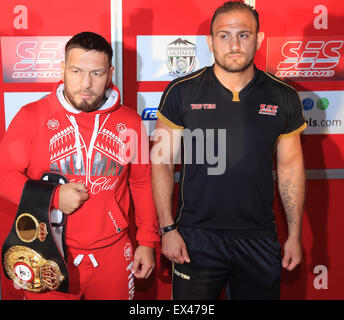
(210, 42)
(63, 66)
(111, 71)
(260, 38)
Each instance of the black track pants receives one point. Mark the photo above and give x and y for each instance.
(249, 267)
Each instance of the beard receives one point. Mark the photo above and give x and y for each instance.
(233, 66)
(84, 105)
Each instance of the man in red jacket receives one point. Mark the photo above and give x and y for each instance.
(81, 131)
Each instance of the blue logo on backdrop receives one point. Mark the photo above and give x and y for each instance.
(308, 104)
(149, 114)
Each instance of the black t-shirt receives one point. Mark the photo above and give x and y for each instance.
(226, 179)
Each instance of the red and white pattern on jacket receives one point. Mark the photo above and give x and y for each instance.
(101, 171)
(103, 157)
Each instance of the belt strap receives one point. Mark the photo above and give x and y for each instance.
(33, 253)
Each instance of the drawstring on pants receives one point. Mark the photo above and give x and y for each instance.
(80, 257)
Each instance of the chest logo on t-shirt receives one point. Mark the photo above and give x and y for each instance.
(268, 109)
(203, 106)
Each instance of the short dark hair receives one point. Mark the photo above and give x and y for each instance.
(90, 41)
(234, 6)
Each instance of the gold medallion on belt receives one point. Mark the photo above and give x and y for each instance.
(26, 267)
(30, 271)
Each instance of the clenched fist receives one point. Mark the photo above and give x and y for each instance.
(71, 196)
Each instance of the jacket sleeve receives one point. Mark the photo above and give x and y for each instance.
(15, 154)
(141, 191)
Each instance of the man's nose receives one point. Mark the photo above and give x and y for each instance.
(86, 81)
(234, 44)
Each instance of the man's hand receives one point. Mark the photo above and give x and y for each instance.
(174, 248)
(72, 195)
(292, 253)
(144, 262)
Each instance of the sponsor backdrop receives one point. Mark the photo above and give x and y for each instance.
(157, 41)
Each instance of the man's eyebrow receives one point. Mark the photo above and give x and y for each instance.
(100, 69)
(242, 31)
(222, 31)
(239, 31)
(75, 67)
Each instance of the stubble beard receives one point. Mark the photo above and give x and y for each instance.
(232, 66)
(84, 105)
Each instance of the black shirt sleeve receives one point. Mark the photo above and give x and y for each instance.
(295, 118)
(171, 106)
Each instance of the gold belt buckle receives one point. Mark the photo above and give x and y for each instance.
(26, 267)
(30, 271)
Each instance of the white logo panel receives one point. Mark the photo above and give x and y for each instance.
(15, 100)
(164, 58)
(324, 111)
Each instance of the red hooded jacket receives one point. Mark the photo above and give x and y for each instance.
(107, 150)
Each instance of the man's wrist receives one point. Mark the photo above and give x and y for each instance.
(294, 236)
(163, 230)
(149, 244)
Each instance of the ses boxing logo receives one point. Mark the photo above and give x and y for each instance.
(307, 58)
(32, 59)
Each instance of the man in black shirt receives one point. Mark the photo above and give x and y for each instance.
(238, 115)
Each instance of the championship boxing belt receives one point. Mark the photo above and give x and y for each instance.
(33, 253)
